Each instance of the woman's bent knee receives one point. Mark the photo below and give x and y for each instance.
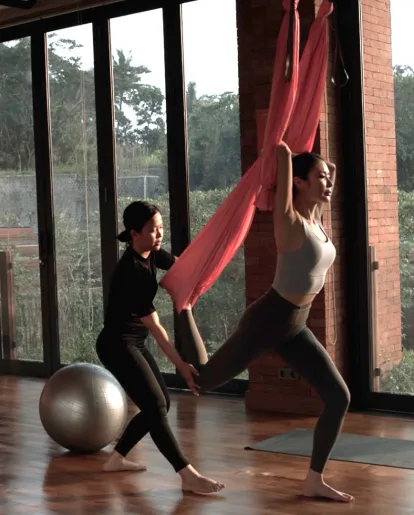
(337, 399)
(340, 399)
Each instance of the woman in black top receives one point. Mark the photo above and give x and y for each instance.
(130, 317)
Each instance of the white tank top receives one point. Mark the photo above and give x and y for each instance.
(303, 271)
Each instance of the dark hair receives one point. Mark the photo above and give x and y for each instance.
(136, 215)
(302, 164)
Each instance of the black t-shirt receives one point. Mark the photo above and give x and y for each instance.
(133, 288)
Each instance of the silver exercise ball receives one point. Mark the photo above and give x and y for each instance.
(83, 407)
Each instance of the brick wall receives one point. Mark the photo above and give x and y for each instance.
(382, 174)
(257, 31)
(257, 28)
(257, 23)
(332, 298)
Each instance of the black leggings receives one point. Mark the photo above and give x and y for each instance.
(138, 373)
(274, 323)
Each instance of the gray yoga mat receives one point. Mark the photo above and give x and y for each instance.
(371, 450)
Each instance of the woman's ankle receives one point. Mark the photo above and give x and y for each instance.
(314, 477)
(115, 456)
(188, 471)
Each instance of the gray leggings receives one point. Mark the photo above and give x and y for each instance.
(274, 323)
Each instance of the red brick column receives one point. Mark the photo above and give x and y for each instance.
(382, 174)
(258, 22)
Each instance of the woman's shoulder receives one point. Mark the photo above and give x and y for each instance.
(126, 257)
(163, 259)
(126, 265)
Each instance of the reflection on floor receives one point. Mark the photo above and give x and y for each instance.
(38, 477)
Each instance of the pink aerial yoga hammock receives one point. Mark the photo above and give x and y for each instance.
(294, 112)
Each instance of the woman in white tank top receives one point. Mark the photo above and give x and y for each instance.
(278, 319)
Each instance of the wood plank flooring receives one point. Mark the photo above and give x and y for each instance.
(38, 478)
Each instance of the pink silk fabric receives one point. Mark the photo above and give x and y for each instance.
(294, 113)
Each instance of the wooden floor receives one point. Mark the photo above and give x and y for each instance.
(38, 477)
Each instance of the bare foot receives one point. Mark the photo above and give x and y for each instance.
(315, 486)
(117, 463)
(192, 481)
